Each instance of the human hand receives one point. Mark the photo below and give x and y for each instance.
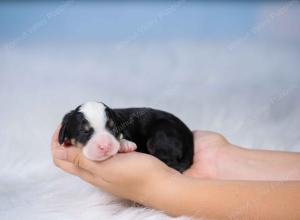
(208, 146)
(126, 175)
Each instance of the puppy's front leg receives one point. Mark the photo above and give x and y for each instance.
(127, 146)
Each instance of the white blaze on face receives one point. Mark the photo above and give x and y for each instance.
(94, 112)
(102, 143)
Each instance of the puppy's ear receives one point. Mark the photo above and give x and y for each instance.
(61, 136)
(112, 121)
(62, 132)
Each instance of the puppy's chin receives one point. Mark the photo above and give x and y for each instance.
(97, 156)
(94, 157)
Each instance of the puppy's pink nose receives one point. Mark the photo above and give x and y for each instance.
(104, 148)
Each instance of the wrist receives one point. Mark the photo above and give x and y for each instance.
(160, 189)
(230, 162)
(177, 195)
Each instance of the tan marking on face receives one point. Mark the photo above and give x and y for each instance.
(73, 141)
(79, 145)
(87, 127)
(110, 123)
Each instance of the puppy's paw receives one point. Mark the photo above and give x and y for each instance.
(127, 146)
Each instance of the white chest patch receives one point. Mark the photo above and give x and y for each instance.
(94, 112)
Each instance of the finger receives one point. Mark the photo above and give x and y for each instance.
(54, 140)
(66, 159)
(71, 159)
(70, 154)
(75, 156)
(66, 166)
(83, 174)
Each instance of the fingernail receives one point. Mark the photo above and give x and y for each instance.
(60, 154)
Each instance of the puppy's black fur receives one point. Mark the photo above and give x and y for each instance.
(155, 132)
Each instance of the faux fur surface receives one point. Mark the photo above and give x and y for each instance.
(251, 96)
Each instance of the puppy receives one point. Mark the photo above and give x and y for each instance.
(101, 132)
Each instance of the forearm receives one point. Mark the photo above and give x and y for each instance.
(226, 199)
(248, 164)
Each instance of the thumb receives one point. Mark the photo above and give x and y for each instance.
(74, 156)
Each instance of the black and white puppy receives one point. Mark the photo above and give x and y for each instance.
(101, 132)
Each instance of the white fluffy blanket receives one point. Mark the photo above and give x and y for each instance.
(251, 95)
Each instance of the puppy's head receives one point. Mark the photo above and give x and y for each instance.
(89, 127)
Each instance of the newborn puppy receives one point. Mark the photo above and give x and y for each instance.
(101, 132)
